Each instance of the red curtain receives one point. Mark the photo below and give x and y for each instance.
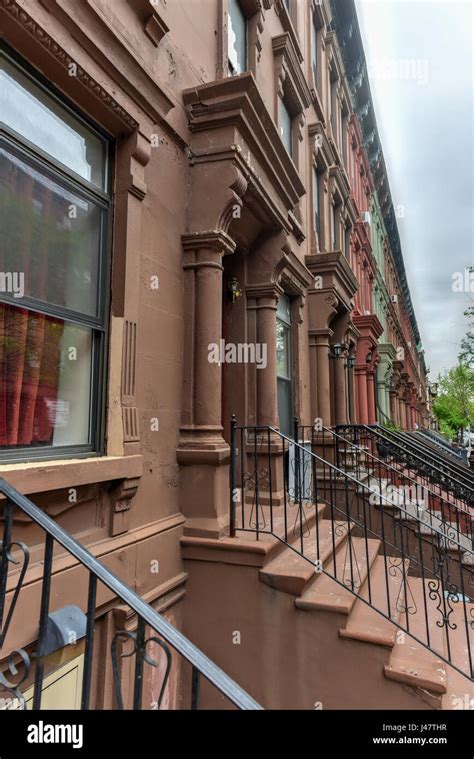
(29, 341)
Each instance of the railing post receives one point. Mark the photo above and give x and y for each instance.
(297, 459)
(232, 473)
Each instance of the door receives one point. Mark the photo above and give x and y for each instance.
(284, 371)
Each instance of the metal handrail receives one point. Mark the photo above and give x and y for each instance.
(461, 475)
(148, 616)
(436, 557)
(462, 489)
(439, 441)
(449, 505)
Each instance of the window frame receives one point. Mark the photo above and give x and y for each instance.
(230, 72)
(316, 177)
(285, 107)
(288, 381)
(99, 325)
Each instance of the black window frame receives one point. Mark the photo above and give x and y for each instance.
(99, 325)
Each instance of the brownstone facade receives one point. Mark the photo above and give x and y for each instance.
(215, 224)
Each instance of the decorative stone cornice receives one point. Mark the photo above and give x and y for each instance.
(293, 274)
(151, 16)
(217, 241)
(339, 183)
(289, 74)
(21, 17)
(267, 290)
(336, 274)
(287, 24)
(320, 145)
(236, 102)
(115, 56)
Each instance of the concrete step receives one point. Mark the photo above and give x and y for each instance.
(290, 572)
(325, 594)
(364, 622)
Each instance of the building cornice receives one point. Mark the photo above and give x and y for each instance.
(236, 102)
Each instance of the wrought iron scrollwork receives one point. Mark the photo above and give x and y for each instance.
(138, 650)
(405, 603)
(255, 482)
(19, 677)
(8, 558)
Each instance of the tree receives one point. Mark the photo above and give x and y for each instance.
(467, 343)
(454, 407)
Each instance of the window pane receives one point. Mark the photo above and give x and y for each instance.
(314, 51)
(285, 406)
(45, 380)
(237, 43)
(283, 350)
(284, 309)
(316, 200)
(50, 236)
(286, 127)
(29, 111)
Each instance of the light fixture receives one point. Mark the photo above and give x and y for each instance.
(350, 363)
(368, 359)
(235, 290)
(335, 350)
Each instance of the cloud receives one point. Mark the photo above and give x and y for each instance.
(420, 55)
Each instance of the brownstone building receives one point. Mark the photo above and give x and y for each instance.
(189, 195)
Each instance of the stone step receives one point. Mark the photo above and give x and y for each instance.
(410, 662)
(290, 572)
(364, 622)
(325, 594)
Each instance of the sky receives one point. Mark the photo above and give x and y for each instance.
(420, 60)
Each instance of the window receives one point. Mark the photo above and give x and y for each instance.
(330, 108)
(284, 374)
(316, 202)
(334, 227)
(286, 127)
(314, 51)
(237, 41)
(54, 214)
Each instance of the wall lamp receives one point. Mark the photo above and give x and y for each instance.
(335, 350)
(235, 290)
(368, 359)
(350, 363)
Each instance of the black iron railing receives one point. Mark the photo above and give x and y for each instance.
(421, 462)
(446, 467)
(25, 667)
(440, 442)
(360, 450)
(282, 488)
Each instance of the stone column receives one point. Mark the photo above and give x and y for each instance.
(341, 389)
(322, 340)
(202, 452)
(361, 385)
(371, 408)
(394, 412)
(267, 393)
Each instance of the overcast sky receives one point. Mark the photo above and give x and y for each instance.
(420, 60)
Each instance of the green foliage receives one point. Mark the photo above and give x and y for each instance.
(454, 407)
(467, 343)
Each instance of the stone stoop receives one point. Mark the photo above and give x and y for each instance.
(403, 661)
